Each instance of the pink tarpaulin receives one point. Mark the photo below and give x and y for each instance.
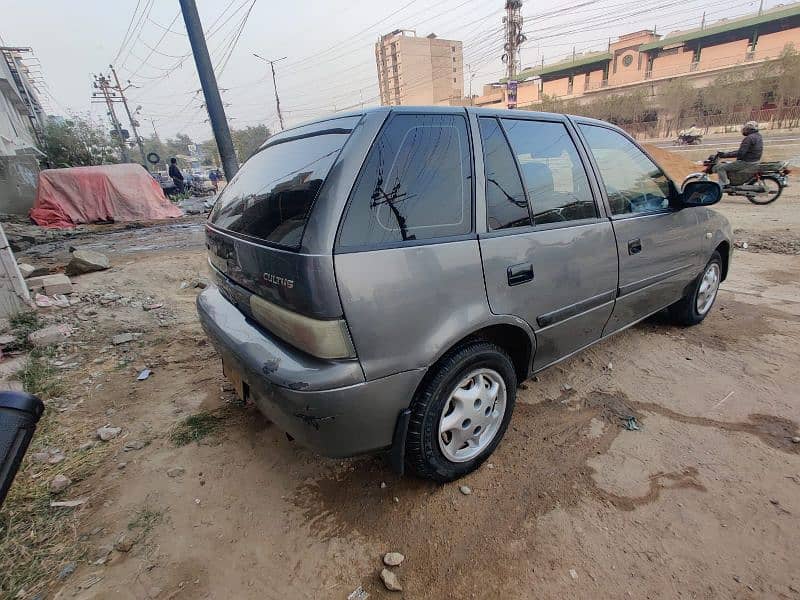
(69, 197)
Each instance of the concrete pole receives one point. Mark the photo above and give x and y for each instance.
(208, 81)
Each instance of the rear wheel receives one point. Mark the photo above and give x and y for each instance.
(461, 412)
(700, 297)
(773, 187)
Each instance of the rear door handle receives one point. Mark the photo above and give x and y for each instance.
(520, 273)
(635, 246)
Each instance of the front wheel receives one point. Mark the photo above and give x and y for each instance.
(700, 297)
(774, 189)
(461, 412)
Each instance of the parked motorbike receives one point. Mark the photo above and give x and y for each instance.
(762, 184)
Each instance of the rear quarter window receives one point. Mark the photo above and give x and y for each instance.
(416, 184)
(271, 196)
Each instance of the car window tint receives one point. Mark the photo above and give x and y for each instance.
(415, 184)
(634, 183)
(556, 181)
(271, 196)
(506, 204)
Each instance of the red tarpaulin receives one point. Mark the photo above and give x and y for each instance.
(69, 197)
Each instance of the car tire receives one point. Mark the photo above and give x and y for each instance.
(473, 371)
(701, 295)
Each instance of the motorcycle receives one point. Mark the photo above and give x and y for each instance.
(763, 184)
(688, 138)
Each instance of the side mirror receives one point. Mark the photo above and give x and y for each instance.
(700, 193)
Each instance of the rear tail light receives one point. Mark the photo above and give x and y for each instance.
(321, 338)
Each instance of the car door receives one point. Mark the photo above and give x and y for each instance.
(659, 246)
(548, 251)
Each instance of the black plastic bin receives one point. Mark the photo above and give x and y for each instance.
(19, 414)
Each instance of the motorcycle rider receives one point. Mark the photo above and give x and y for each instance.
(747, 156)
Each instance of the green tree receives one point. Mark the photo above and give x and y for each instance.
(76, 142)
(246, 141)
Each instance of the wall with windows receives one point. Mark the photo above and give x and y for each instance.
(672, 62)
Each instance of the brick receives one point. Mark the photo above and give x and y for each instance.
(51, 284)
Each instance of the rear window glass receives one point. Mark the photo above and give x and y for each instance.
(271, 196)
(416, 184)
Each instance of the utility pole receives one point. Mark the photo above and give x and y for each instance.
(471, 77)
(153, 123)
(274, 84)
(136, 137)
(514, 39)
(103, 84)
(208, 81)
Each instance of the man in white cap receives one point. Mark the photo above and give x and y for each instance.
(747, 156)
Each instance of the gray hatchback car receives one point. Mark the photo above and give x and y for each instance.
(386, 279)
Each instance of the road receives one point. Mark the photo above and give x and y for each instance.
(776, 147)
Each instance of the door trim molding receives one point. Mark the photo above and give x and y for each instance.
(636, 286)
(562, 314)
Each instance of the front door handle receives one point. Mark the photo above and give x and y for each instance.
(635, 246)
(519, 273)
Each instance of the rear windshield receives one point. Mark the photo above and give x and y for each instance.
(271, 196)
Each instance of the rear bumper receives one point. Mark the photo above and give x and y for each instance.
(304, 396)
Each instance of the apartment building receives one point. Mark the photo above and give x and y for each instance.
(416, 70)
(643, 58)
(21, 122)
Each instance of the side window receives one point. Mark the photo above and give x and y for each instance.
(506, 205)
(554, 175)
(634, 183)
(416, 183)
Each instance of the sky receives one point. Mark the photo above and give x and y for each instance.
(328, 45)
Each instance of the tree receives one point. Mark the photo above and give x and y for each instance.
(76, 142)
(787, 86)
(246, 141)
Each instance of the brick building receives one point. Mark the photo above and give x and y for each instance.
(643, 58)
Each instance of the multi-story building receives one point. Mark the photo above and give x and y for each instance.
(643, 58)
(21, 123)
(419, 70)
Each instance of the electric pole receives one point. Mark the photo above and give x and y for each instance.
(274, 84)
(136, 137)
(208, 81)
(514, 39)
(103, 84)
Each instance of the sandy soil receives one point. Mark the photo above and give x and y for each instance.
(701, 502)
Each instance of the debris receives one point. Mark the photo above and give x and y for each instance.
(61, 301)
(107, 432)
(42, 301)
(109, 297)
(51, 456)
(197, 500)
(393, 559)
(121, 465)
(144, 374)
(383, 485)
(87, 445)
(133, 445)
(26, 270)
(610, 366)
(122, 338)
(390, 581)
(51, 284)
(358, 594)
(68, 570)
(176, 471)
(90, 582)
(739, 244)
(630, 423)
(59, 483)
(573, 573)
(465, 489)
(123, 544)
(54, 334)
(490, 465)
(396, 500)
(796, 439)
(566, 387)
(154, 306)
(67, 503)
(184, 285)
(86, 261)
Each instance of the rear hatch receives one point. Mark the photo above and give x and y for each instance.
(255, 233)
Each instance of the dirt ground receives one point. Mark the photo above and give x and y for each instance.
(701, 502)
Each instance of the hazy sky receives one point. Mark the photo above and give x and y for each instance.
(330, 61)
